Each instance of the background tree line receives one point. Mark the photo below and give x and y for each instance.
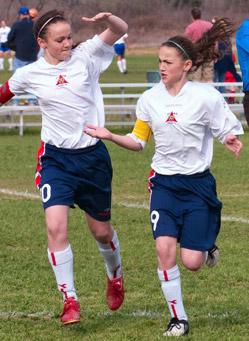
(150, 21)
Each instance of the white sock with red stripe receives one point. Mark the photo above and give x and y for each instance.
(111, 255)
(62, 264)
(120, 66)
(171, 287)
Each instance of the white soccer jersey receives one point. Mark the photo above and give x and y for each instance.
(184, 126)
(68, 93)
(4, 31)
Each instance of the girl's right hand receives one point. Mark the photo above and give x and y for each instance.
(97, 132)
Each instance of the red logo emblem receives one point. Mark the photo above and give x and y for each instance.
(171, 117)
(61, 80)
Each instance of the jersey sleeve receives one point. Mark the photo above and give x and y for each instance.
(223, 121)
(141, 132)
(142, 129)
(18, 83)
(100, 54)
(143, 109)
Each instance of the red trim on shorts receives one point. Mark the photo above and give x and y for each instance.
(40, 153)
(151, 175)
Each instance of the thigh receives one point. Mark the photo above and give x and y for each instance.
(200, 228)
(94, 192)
(164, 221)
(56, 186)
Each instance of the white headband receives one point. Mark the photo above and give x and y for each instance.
(48, 21)
(180, 47)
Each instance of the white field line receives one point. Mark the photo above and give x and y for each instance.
(137, 314)
(124, 204)
(19, 194)
(234, 195)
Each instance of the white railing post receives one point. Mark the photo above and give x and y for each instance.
(21, 128)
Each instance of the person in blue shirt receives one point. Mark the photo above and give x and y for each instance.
(242, 44)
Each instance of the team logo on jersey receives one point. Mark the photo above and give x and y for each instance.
(171, 117)
(61, 80)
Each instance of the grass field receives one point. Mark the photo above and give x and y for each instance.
(216, 300)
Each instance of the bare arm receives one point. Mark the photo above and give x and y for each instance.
(116, 26)
(233, 144)
(103, 133)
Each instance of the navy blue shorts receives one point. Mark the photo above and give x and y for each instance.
(119, 49)
(185, 207)
(76, 176)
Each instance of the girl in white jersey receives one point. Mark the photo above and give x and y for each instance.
(73, 168)
(184, 118)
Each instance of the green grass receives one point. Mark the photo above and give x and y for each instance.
(216, 299)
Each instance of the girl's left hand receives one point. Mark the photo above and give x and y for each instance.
(233, 144)
(98, 17)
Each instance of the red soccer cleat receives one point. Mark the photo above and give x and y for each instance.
(71, 311)
(115, 292)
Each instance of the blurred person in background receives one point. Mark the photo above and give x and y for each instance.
(184, 118)
(33, 13)
(242, 44)
(120, 47)
(224, 62)
(194, 32)
(21, 39)
(5, 51)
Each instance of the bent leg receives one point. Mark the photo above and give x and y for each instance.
(192, 259)
(108, 245)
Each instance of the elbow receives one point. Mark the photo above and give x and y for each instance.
(125, 28)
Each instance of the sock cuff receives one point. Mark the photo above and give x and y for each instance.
(168, 275)
(112, 245)
(60, 257)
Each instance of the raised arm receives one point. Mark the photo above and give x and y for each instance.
(116, 27)
(121, 140)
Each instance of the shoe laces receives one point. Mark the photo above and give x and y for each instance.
(174, 323)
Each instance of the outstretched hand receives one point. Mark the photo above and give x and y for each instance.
(97, 132)
(233, 144)
(98, 17)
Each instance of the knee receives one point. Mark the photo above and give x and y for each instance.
(192, 264)
(102, 232)
(56, 230)
(166, 253)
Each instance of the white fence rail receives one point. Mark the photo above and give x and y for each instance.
(119, 107)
